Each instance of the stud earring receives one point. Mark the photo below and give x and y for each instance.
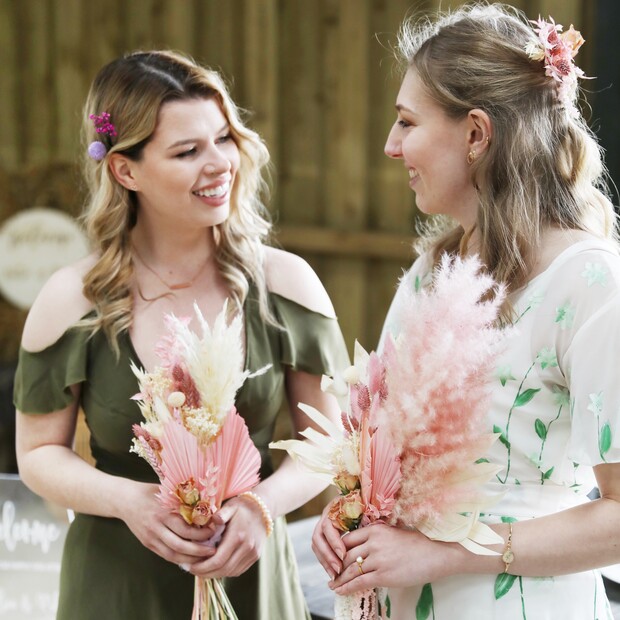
(471, 157)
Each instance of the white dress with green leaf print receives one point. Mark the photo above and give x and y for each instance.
(556, 404)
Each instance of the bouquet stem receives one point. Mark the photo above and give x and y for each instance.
(211, 601)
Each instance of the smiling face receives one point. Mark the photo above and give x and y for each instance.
(434, 150)
(187, 170)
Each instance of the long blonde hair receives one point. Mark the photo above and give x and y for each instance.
(543, 166)
(132, 90)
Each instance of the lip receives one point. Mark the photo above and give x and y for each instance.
(414, 176)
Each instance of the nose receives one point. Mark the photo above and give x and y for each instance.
(393, 145)
(216, 161)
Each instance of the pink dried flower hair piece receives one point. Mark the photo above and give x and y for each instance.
(557, 49)
(97, 150)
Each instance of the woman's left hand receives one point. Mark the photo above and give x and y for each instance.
(391, 557)
(242, 540)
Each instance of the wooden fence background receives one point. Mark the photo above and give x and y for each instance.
(317, 76)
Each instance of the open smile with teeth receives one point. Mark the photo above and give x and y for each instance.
(214, 192)
(413, 174)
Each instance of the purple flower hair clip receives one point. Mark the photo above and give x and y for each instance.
(97, 150)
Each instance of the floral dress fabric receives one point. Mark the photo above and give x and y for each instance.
(556, 406)
(106, 572)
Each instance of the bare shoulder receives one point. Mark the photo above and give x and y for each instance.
(59, 305)
(290, 276)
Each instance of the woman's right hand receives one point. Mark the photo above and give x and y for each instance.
(328, 546)
(163, 532)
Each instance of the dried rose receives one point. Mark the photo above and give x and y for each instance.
(346, 511)
(201, 514)
(347, 482)
(188, 493)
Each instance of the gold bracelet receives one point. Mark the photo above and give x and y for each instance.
(267, 520)
(508, 556)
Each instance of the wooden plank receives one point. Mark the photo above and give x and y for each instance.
(175, 26)
(346, 243)
(35, 77)
(260, 63)
(141, 20)
(391, 201)
(10, 61)
(105, 29)
(346, 41)
(298, 196)
(219, 41)
(70, 82)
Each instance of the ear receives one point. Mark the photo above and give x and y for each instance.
(121, 168)
(479, 130)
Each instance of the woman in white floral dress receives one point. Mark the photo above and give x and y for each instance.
(489, 133)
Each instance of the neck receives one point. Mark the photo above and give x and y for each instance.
(172, 263)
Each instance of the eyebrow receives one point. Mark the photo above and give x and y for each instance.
(400, 107)
(225, 127)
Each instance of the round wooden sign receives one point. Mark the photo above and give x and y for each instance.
(33, 244)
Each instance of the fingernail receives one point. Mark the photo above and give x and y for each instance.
(336, 569)
(331, 576)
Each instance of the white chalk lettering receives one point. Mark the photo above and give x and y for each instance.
(22, 531)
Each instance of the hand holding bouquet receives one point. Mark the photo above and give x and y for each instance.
(192, 435)
(413, 423)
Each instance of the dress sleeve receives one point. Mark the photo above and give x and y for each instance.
(310, 341)
(43, 378)
(590, 359)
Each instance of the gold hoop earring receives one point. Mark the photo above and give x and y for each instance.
(471, 157)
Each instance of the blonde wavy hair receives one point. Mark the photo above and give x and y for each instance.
(543, 166)
(132, 89)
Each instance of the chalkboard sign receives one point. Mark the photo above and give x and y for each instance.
(32, 534)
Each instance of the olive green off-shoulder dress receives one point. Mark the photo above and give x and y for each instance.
(106, 572)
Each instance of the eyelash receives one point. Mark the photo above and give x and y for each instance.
(188, 153)
(403, 123)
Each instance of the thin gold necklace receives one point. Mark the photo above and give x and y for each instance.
(171, 287)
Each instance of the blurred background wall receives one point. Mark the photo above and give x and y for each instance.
(318, 79)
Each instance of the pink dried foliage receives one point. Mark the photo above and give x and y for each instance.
(438, 388)
(182, 382)
(380, 479)
(228, 466)
(168, 349)
(151, 446)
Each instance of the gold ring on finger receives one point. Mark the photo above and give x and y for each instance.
(360, 560)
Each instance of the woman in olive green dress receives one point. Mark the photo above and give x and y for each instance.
(175, 217)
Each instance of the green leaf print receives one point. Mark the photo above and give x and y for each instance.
(502, 437)
(525, 397)
(541, 429)
(548, 473)
(604, 440)
(425, 603)
(503, 583)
